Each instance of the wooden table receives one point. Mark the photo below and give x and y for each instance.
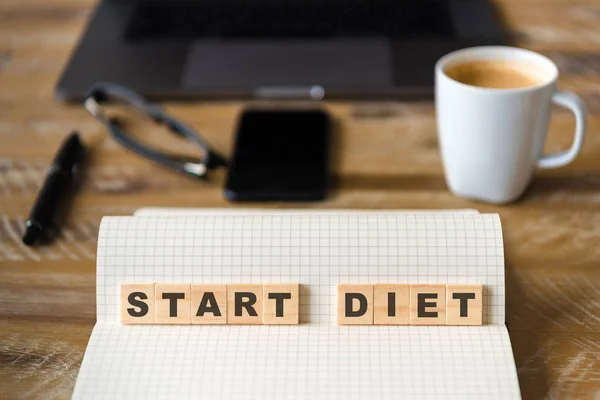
(386, 158)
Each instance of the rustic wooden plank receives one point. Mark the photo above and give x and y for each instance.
(386, 158)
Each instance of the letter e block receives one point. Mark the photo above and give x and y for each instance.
(137, 303)
(172, 303)
(464, 304)
(209, 304)
(392, 304)
(281, 303)
(355, 304)
(244, 304)
(428, 304)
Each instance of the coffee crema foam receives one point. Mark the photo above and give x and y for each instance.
(497, 74)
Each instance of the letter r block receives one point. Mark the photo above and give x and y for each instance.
(137, 303)
(355, 304)
(172, 303)
(427, 304)
(244, 304)
(464, 304)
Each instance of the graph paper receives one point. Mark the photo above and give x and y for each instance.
(317, 359)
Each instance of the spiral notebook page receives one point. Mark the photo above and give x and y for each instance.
(318, 358)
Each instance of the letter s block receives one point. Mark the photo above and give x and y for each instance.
(355, 304)
(137, 303)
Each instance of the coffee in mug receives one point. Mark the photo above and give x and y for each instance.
(493, 113)
(498, 74)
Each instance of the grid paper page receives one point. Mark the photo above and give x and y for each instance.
(181, 211)
(317, 359)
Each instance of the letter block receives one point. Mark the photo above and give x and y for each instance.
(281, 304)
(355, 304)
(209, 304)
(464, 304)
(137, 303)
(428, 304)
(392, 304)
(244, 304)
(172, 303)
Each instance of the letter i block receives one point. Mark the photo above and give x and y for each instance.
(280, 304)
(464, 304)
(392, 304)
(209, 304)
(428, 304)
(172, 303)
(244, 304)
(355, 304)
(137, 303)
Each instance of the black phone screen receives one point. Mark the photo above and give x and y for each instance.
(280, 155)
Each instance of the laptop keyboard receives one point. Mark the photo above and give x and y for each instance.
(289, 19)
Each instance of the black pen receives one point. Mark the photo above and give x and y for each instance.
(57, 191)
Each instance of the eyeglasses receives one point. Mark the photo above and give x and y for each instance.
(105, 92)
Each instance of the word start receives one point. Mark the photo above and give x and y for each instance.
(278, 304)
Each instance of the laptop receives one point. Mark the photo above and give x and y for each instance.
(274, 49)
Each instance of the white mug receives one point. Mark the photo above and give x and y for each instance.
(491, 140)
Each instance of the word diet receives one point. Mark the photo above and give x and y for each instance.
(279, 304)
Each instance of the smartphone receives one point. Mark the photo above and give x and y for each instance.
(280, 155)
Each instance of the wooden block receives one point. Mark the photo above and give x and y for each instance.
(464, 304)
(137, 303)
(281, 303)
(355, 304)
(391, 304)
(428, 304)
(172, 303)
(244, 304)
(209, 304)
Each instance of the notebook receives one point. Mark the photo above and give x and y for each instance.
(317, 359)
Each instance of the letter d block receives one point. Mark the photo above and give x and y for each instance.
(172, 303)
(464, 304)
(137, 303)
(355, 304)
(244, 304)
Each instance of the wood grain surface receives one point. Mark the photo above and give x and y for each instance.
(386, 156)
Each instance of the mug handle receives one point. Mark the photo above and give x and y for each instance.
(577, 106)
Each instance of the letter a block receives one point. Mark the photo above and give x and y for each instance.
(280, 304)
(137, 303)
(244, 304)
(464, 305)
(428, 304)
(355, 304)
(172, 303)
(209, 304)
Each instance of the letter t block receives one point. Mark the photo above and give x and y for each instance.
(172, 303)
(281, 303)
(464, 304)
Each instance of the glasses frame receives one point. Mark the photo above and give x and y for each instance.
(106, 92)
